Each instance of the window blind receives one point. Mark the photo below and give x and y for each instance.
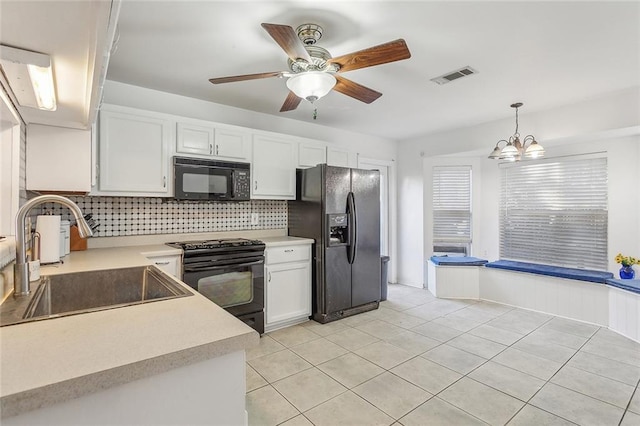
(452, 204)
(555, 212)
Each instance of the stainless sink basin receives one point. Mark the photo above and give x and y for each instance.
(81, 292)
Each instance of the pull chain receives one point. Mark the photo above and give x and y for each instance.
(315, 113)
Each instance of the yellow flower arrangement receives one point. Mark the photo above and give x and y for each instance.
(626, 261)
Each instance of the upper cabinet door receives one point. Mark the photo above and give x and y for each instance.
(71, 149)
(311, 154)
(194, 139)
(340, 157)
(133, 153)
(204, 139)
(273, 170)
(232, 144)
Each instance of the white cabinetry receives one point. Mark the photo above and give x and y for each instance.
(310, 154)
(340, 157)
(206, 139)
(232, 144)
(287, 285)
(194, 139)
(133, 153)
(58, 159)
(273, 169)
(171, 264)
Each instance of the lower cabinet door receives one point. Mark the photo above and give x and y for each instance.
(288, 291)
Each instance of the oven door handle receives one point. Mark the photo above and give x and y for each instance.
(214, 268)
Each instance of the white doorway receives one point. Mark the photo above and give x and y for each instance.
(387, 206)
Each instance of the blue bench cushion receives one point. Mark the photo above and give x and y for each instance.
(554, 271)
(629, 285)
(458, 260)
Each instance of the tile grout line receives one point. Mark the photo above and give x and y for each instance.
(462, 376)
(440, 343)
(626, 410)
(558, 370)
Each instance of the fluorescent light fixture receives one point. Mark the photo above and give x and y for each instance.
(30, 76)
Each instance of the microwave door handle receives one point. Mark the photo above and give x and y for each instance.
(215, 268)
(232, 181)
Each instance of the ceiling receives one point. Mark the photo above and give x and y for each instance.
(544, 54)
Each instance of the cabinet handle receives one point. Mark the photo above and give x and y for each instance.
(269, 276)
(217, 148)
(288, 250)
(164, 181)
(163, 263)
(255, 186)
(210, 149)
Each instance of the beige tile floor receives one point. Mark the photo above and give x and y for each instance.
(418, 360)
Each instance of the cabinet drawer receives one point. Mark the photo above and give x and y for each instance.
(287, 254)
(169, 264)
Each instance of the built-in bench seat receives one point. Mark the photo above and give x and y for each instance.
(459, 275)
(629, 285)
(458, 260)
(553, 271)
(584, 295)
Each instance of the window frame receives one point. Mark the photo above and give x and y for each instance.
(452, 216)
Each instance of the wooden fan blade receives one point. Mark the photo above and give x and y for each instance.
(291, 102)
(355, 90)
(245, 77)
(288, 40)
(384, 53)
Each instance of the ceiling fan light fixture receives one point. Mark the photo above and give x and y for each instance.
(311, 85)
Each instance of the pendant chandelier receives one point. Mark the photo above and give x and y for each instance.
(515, 149)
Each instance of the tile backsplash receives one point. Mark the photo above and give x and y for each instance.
(120, 216)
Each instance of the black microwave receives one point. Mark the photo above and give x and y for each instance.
(208, 180)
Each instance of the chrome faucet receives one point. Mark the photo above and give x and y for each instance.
(21, 271)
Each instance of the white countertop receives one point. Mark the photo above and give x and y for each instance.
(50, 361)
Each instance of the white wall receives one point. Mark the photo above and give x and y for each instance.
(610, 123)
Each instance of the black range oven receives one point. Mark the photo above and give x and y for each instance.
(229, 272)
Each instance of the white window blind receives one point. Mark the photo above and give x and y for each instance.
(555, 212)
(452, 204)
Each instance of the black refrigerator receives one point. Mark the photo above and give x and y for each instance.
(340, 209)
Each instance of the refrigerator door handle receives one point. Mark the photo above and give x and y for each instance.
(353, 237)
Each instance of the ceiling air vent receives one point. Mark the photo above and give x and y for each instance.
(454, 75)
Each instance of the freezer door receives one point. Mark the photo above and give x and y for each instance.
(337, 270)
(365, 271)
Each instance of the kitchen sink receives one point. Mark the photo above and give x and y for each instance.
(82, 292)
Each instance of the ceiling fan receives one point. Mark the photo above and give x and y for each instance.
(313, 72)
